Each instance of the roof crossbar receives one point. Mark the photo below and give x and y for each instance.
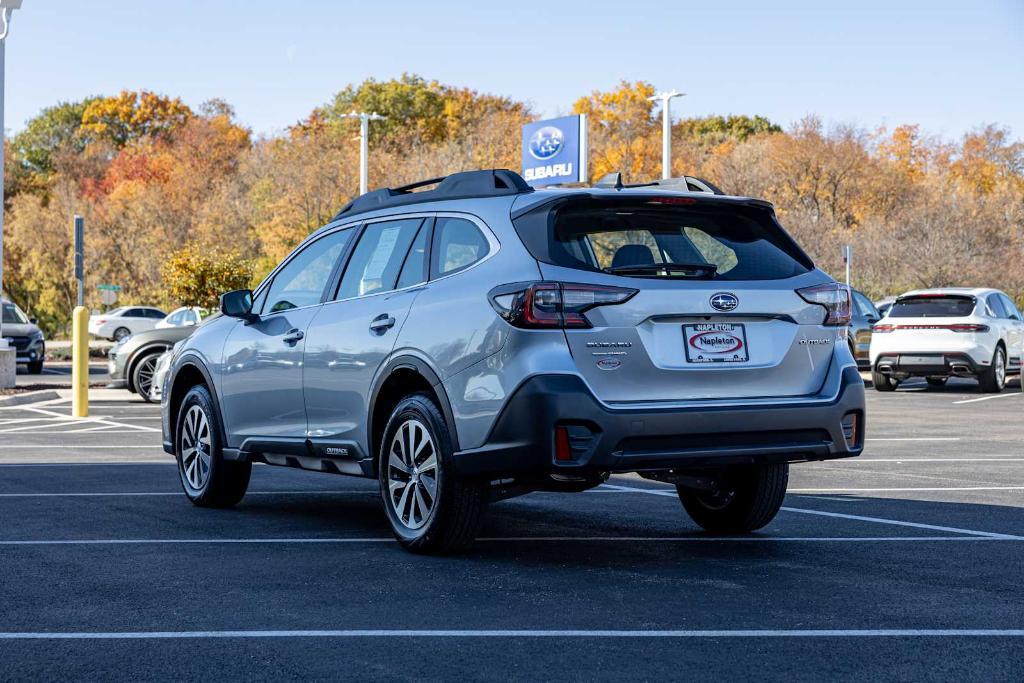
(496, 182)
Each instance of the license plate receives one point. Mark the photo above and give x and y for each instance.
(922, 360)
(715, 343)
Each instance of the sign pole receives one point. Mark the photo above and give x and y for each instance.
(847, 258)
(80, 332)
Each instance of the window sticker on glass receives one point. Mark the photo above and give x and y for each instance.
(382, 254)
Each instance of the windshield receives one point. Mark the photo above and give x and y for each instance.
(933, 307)
(13, 315)
(674, 237)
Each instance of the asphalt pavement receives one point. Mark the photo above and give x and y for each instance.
(904, 564)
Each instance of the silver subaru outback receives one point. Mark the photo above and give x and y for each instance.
(482, 339)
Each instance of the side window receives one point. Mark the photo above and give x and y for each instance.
(378, 257)
(155, 314)
(995, 307)
(134, 313)
(458, 244)
(175, 318)
(415, 269)
(1011, 308)
(301, 282)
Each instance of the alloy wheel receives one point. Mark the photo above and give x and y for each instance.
(144, 380)
(196, 455)
(1000, 369)
(412, 474)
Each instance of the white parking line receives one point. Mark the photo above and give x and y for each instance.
(524, 633)
(913, 438)
(859, 518)
(912, 488)
(993, 458)
(986, 398)
(144, 494)
(77, 446)
(518, 539)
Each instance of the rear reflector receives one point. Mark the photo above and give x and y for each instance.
(563, 449)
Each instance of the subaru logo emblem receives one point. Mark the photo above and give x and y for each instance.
(725, 302)
(546, 142)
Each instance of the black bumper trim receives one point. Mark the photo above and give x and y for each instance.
(521, 444)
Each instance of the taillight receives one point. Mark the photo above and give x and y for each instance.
(553, 305)
(956, 327)
(834, 298)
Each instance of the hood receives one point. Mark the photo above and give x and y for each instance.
(19, 329)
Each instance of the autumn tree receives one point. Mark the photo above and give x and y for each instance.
(134, 115)
(197, 276)
(624, 135)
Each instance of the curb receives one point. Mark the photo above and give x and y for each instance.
(29, 397)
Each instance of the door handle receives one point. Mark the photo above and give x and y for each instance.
(293, 336)
(382, 323)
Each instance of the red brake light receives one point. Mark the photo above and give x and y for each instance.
(553, 305)
(966, 327)
(881, 329)
(672, 200)
(834, 298)
(958, 327)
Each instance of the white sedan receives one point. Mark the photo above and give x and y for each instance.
(186, 316)
(949, 332)
(125, 321)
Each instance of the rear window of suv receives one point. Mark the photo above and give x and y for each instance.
(933, 307)
(655, 236)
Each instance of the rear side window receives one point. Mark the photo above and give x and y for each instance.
(458, 244)
(1011, 308)
(378, 257)
(155, 314)
(662, 237)
(995, 307)
(933, 307)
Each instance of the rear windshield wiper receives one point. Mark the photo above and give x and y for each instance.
(669, 270)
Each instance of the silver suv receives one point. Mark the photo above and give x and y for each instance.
(482, 340)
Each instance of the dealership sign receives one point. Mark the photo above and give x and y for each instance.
(555, 151)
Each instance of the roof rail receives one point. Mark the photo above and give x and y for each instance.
(613, 181)
(496, 182)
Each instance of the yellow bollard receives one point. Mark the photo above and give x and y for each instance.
(80, 362)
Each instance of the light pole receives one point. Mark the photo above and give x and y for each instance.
(7, 7)
(666, 130)
(364, 144)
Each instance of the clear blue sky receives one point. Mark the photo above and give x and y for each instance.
(949, 66)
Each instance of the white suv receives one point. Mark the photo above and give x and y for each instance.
(950, 332)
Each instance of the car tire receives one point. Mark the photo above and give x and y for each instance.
(120, 333)
(35, 368)
(883, 382)
(206, 477)
(416, 445)
(142, 375)
(992, 379)
(936, 381)
(749, 498)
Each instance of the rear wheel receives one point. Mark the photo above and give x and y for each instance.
(120, 333)
(993, 378)
(883, 382)
(747, 499)
(206, 477)
(430, 509)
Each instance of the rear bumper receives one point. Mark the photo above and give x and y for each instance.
(927, 364)
(603, 439)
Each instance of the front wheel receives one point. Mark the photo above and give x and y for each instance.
(430, 509)
(142, 376)
(993, 378)
(747, 499)
(206, 477)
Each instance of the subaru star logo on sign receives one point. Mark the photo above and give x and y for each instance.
(546, 143)
(725, 302)
(555, 151)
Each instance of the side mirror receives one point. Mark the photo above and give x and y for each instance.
(238, 304)
(34, 321)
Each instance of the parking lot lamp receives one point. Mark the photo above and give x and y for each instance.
(7, 7)
(666, 129)
(364, 144)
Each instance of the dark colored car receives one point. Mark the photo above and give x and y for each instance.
(132, 360)
(25, 336)
(864, 316)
